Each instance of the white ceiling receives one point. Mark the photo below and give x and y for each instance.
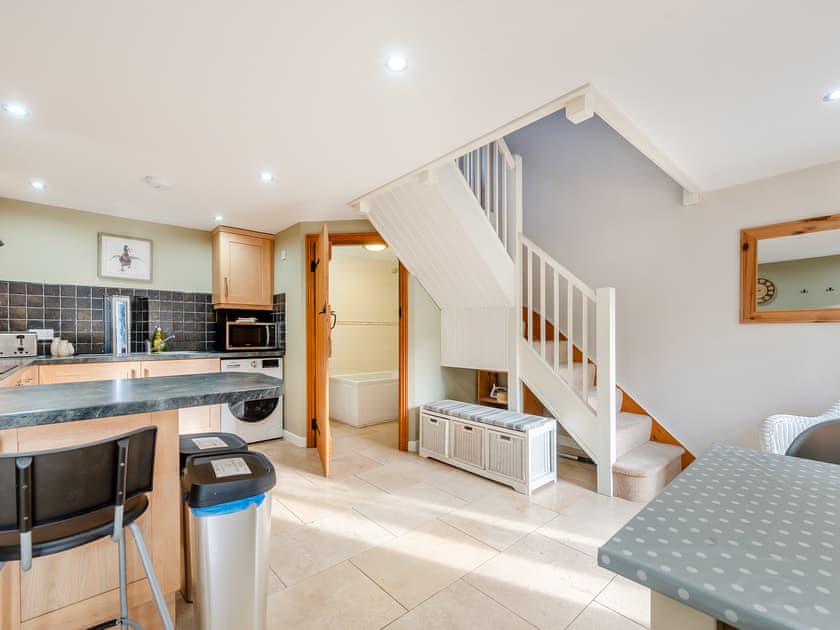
(209, 93)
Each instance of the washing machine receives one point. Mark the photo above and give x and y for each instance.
(255, 420)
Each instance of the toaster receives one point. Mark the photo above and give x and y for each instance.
(16, 344)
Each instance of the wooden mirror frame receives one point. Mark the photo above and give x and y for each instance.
(749, 271)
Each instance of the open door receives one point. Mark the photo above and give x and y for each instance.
(323, 440)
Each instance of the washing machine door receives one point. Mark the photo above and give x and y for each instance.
(253, 410)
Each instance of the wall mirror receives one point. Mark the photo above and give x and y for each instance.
(790, 272)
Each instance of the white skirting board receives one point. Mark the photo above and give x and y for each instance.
(292, 438)
(412, 446)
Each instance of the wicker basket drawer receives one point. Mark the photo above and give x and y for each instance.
(468, 444)
(434, 434)
(506, 455)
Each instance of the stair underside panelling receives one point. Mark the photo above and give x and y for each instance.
(436, 227)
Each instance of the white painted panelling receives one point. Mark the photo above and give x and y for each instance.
(475, 338)
(436, 227)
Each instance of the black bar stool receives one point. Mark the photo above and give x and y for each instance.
(55, 500)
(192, 444)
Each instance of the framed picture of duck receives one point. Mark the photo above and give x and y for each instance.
(125, 257)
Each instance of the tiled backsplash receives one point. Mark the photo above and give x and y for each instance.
(77, 313)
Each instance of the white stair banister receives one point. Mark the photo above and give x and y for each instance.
(606, 387)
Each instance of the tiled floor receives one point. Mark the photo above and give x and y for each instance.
(393, 540)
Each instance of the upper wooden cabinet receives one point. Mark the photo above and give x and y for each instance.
(243, 269)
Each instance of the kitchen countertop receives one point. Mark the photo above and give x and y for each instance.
(9, 364)
(748, 537)
(67, 402)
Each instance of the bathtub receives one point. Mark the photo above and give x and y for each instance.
(363, 399)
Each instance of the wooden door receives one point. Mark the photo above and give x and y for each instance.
(323, 440)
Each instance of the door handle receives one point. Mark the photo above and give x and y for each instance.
(333, 319)
(227, 287)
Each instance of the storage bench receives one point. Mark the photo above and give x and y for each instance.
(516, 449)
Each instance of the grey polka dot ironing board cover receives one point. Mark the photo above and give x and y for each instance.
(748, 537)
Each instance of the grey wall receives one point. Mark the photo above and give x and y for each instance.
(614, 219)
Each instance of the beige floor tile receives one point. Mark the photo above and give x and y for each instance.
(341, 597)
(462, 484)
(309, 549)
(500, 519)
(410, 508)
(460, 607)
(316, 498)
(542, 581)
(627, 598)
(559, 495)
(421, 563)
(597, 617)
(589, 522)
(394, 475)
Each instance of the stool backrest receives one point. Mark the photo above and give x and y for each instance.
(63, 483)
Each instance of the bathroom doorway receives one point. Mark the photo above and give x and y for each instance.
(368, 380)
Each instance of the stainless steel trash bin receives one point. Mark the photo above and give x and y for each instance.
(230, 526)
(200, 444)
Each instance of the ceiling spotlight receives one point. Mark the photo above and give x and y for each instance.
(16, 109)
(219, 217)
(396, 63)
(376, 247)
(832, 97)
(266, 176)
(37, 184)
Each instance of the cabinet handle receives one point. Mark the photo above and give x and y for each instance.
(132, 373)
(227, 287)
(467, 428)
(431, 420)
(145, 372)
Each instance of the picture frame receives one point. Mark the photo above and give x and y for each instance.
(125, 257)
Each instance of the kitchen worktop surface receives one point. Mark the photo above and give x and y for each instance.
(67, 402)
(9, 364)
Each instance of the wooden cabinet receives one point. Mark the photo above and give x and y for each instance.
(192, 419)
(22, 377)
(80, 372)
(243, 269)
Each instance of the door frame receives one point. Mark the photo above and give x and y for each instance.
(354, 238)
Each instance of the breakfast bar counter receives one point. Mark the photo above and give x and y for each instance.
(741, 537)
(79, 588)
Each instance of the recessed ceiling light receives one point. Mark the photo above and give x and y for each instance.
(266, 176)
(832, 97)
(219, 217)
(16, 109)
(396, 63)
(376, 247)
(37, 184)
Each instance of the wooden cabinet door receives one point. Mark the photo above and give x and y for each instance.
(21, 378)
(80, 372)
(243, 269)
(192, 419)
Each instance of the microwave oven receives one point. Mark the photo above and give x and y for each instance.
(248, 335)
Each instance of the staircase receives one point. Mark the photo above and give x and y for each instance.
(458, 228)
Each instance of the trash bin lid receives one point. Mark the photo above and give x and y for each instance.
(209, 444)
(225, 477)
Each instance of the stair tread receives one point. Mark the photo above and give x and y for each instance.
(647, 459)
(628, 417)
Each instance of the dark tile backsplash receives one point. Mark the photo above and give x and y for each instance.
(77, 313)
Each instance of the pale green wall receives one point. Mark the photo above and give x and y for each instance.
(58, 245)
(814, 275)
(290, 278)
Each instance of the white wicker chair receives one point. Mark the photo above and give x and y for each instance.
(778, 432)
